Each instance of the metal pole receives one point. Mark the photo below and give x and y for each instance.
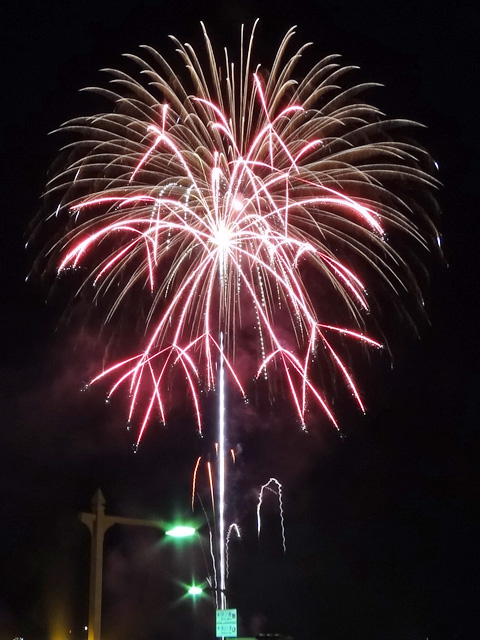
(98, 523)
(95, 521)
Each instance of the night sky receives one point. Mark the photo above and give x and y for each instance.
(382, 524)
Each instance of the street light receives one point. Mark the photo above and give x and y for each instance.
(185, 531)
(194, 590)
(180, 531)
(98, 522)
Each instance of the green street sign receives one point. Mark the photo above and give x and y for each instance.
(226, 623)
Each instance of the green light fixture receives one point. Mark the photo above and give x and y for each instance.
(180, 531)
(194, 590)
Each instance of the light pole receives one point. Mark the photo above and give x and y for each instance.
(98, 523)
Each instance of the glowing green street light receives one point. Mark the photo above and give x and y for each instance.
(194, 590)
(180, 531)
(185, 531)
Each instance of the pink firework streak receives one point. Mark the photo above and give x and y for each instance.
(217, 198)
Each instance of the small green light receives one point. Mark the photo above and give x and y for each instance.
(194, 590)
(180, 531)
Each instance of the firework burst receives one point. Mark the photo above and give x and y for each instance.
(225, 197)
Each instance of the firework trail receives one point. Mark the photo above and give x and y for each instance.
(222, 448)
(278, 492)
(219, 203)
(235, 529)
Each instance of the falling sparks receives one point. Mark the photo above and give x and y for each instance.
(233, 528)
(275, 487)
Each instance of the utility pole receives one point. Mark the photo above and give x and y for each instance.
(98, 523)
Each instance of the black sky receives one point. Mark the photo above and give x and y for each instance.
(382, 525)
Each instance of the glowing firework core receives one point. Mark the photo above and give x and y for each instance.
(222, 238)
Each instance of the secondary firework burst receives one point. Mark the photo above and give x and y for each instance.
(226, 197)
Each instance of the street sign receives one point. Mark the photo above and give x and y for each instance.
(226, 623)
